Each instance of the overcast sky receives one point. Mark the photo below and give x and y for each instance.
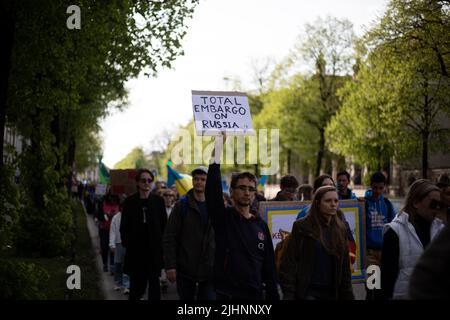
(223, 39)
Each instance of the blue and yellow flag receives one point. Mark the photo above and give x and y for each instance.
(262, 182)
(183, 182)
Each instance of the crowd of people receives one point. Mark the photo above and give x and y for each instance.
(215, 246)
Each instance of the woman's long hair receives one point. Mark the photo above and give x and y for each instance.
(416, 193)
(317, 220)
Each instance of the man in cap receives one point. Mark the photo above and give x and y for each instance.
(189, 243)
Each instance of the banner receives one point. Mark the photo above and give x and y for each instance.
(280, 216)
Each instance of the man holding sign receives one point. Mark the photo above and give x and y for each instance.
(244, 265)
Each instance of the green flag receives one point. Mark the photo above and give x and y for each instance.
(103, 173)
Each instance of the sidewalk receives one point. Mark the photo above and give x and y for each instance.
(106, 280)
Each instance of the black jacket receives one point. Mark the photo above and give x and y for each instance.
(297, 265)
(430, 278)
(143, 240)
(244, 259)
(188, 244)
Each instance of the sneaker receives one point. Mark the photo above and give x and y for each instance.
(126, 291)
(116, 288)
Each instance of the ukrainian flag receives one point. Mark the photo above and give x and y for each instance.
(262, 182)
(183, 182)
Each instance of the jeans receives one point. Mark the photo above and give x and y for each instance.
(120, 278)
(189, 289)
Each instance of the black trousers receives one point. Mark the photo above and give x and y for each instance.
(104, 246)
(139, 280)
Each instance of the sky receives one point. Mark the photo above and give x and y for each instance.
(224, 38)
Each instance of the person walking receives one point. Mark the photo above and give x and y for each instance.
(244, 263)
(142, 226)
(379, 212)
(107, 208)
(115, 244)
(406, 237)
(315, 263)
(189, 243)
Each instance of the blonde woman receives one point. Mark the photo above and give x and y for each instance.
(406, 237)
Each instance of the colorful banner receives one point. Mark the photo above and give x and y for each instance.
(280, 216)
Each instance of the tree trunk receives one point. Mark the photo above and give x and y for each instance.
(289, 153)
(321, 151)
(71, 161)
(425, 137)
(37, 193)
(334, 168)
(6, 45)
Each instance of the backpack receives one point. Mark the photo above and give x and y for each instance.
(281, 248)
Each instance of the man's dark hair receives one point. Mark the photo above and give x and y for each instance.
(305, 188)
(242, 175)
(288, 181)
(141, 171)
(343, 173)
(444, 178)
(377, 177)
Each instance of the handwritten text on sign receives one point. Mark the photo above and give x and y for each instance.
(217, 111)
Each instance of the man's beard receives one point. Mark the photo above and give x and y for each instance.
(243, 204)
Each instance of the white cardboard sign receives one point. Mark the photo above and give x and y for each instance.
(221, 111)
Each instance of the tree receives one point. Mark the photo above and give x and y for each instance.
(61, 82)
(87, 151)
(416, 28)
(400, 96)
(327, 47)
(412, 36)
(360, 128)
(136, 158)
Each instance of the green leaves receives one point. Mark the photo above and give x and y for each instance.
(64, 81)
(400, 94)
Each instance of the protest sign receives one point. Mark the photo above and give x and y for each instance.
(280, 216)
(221, 111)
(100, 189)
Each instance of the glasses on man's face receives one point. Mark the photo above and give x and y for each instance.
(168, 195)
(143, 180)
(246, 188)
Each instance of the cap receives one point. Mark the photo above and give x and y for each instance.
(201, 170)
